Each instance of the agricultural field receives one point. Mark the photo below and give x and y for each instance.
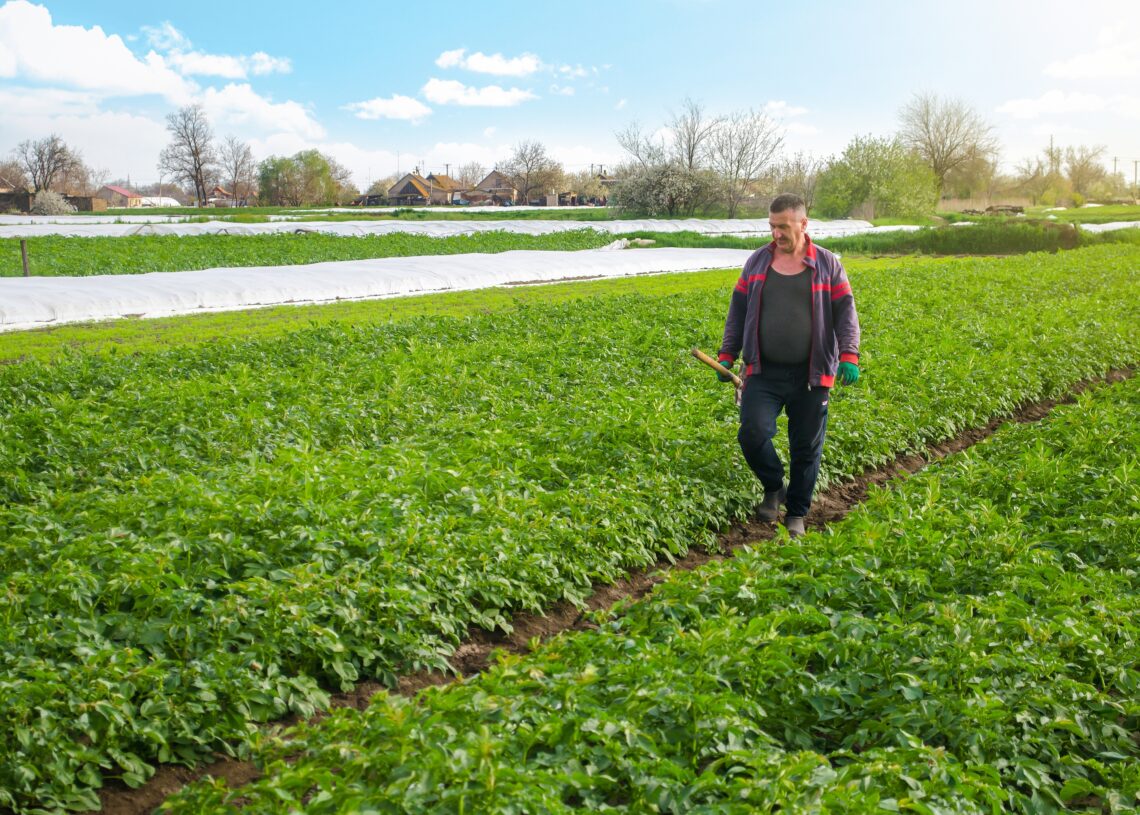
(966, 642)
(204, 536)
(138, 254)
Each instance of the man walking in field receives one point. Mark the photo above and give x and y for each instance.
(792, 319)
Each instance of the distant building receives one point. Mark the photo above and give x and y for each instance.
(119, 196)
(221, 197)
(496, 188)
(413, 190)
(444, 189)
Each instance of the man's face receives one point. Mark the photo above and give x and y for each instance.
(788, 229)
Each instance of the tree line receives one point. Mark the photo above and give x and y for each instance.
(694, 164)
(701, 164)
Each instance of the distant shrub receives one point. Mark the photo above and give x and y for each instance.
(1078, 200)
(51, 203)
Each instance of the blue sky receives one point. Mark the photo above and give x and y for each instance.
(383, 86)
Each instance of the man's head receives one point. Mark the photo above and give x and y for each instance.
(787, 218)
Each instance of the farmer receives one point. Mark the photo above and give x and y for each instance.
(793, 316)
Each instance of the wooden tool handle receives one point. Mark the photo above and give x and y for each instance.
(716, 366)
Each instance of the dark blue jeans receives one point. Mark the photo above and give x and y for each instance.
(776, 388)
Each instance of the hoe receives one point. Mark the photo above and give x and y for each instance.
(720, 369)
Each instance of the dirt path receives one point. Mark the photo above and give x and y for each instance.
(473, 656)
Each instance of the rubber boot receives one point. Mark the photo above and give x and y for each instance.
(795, 525)
(769, 508)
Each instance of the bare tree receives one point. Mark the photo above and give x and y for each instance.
(46, 161)
(691, 133)
(530, 169)
(641, 147)
(13, 175)
(190, 157)
(947, 133)
(470, 174)
(341, 177)
(238, 170)
(1083, 167)
(381, 185)
(799, 174)
(741, 150)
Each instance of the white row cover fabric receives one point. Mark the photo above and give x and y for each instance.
(34, 302)
(1110, 227)
(96, 226)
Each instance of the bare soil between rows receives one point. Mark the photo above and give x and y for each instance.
(475, 654)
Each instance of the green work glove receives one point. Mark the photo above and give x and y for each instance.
(848, 373)
(727, 363)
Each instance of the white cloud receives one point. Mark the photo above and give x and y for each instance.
(579, 156)
(1060, 102)
(798, 129)
(121, 143)
(574, 71)
(190, 62)
(261, 63)
(488, 132)
(398, 107)
(165, 37)
(240, 105)
(1114, 58)
(32, 47)
(450, 59)
(496, 64)
(562, 90)
(195, 62)
(621, 104)
(452, 92)
(23, 102)
(781, 109)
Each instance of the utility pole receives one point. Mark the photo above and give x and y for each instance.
(446, 169)
(1135, 189)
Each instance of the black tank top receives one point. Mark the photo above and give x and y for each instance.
(785, 318)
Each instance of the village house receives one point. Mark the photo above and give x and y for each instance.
(444, 189)
(221, 197)
(496, 188)
(410, 191)
(413, 190)
(118, 196)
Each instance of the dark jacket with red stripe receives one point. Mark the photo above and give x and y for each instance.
(834, 323)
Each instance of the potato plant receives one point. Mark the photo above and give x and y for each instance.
(966, 642)
(200, 539)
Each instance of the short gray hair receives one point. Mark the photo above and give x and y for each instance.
(786, 201)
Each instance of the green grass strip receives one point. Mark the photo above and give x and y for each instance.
(966, 642)
(984, 238)
(202, 538)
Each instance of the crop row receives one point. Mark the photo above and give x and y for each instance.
(967, 642)
(208, 537)
(988, 238)
(81, 257)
